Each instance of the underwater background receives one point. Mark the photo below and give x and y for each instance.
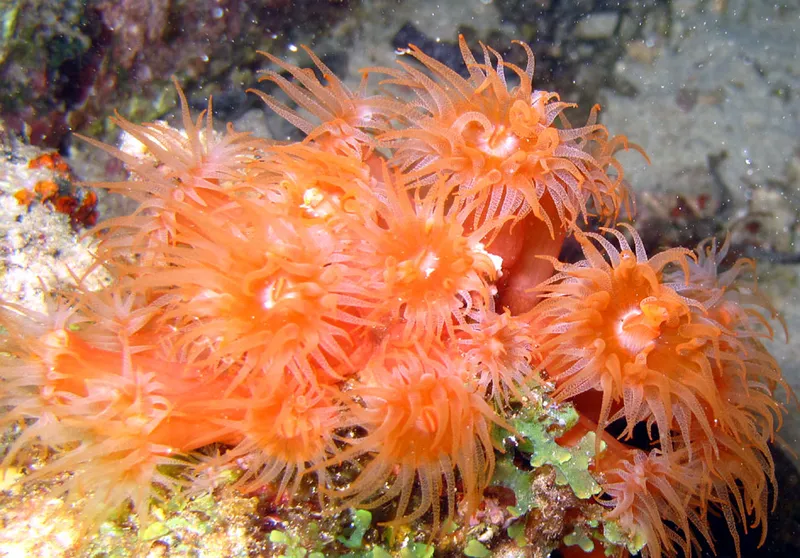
(710, 90)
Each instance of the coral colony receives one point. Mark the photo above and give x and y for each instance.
(375, 318)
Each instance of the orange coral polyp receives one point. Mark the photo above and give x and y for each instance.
(690, 356)
(424, 422)
(651, 496)
(501, 345)
(311, 183)
(116, 418)
(276, 290)
(498, 144)
(286, 429)
(617, 328)
(342, 121)
(174, 170)
(195, 162)
(431, 272)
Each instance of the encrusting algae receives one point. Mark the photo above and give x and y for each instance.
(364, 318)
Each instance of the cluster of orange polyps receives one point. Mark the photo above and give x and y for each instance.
(384, 292)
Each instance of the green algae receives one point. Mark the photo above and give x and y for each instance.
(539, 427)
(475, 549)
(290, 546)
(361, 522)
(581, 538)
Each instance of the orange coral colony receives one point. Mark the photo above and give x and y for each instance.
(667, 342)
(500, 147)
(357, 315)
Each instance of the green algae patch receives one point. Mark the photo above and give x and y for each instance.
(154, 531)
(475, 549)
(516, 532)
(580, 538)
(362, 519)
(614, 534)
(507, 474)
(417, 550)
(291, 546)
(540, 428)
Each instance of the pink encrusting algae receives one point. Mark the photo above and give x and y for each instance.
(358, 312)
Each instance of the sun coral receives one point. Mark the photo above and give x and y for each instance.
(363, 315)
(172, 168)
(500, 147)
(115, 411)
(424, 422)
(499, 144)
(650, 494)
(348, 120)
(502, 347)
(616, 327)
(672, 343)
(431, 274)
(286, 428)
(271, 291)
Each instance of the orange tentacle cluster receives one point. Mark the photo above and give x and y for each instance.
(672, 344)
(367, 296)
(426, 420)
